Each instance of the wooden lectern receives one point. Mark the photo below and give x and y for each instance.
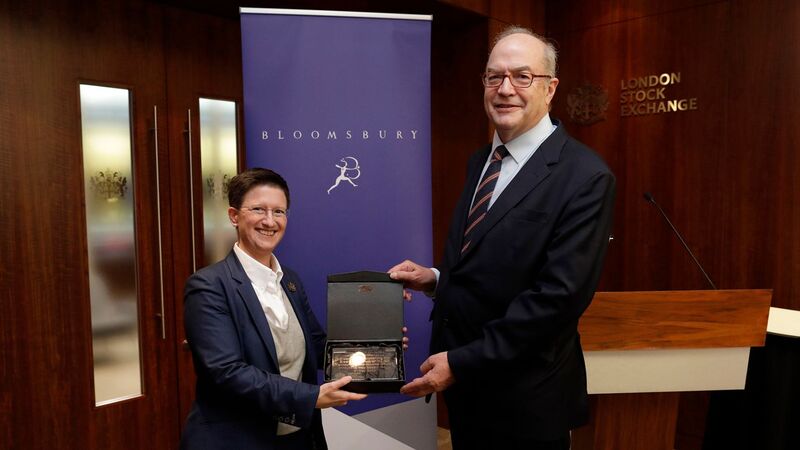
(643, 348)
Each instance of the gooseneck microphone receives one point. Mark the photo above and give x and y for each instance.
(649, 197)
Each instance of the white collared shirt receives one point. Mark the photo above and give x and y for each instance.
(267, 284)
(520, 150)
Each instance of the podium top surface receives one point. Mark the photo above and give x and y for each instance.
(676, 319)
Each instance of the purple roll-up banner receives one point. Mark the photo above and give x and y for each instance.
(339, 104)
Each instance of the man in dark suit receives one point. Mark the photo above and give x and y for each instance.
(521, 264)
(255, 341)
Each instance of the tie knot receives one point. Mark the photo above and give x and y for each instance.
(500, 152)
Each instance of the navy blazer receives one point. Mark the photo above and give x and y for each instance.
(240, 394)
(507, 310)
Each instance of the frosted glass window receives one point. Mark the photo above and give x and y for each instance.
(218, 158)
(108, 182)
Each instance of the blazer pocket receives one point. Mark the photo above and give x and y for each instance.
(528, 215)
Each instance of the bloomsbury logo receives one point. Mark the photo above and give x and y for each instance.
(349, 170)
(339, 135)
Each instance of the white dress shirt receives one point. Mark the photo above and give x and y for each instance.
(267, 284)
(520, 150)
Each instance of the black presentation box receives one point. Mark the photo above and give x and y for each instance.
(365, 337)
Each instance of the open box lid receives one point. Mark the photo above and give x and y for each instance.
(364, 306)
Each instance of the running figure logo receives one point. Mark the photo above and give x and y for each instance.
(346, 172)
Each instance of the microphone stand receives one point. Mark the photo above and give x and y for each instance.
(649, 197)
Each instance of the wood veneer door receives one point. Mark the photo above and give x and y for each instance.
(47, 397)
(204, 60)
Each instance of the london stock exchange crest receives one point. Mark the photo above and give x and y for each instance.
(587, 104)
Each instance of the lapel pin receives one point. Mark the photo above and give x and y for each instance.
(291, 287)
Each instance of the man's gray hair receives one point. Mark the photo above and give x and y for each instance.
(550, 54)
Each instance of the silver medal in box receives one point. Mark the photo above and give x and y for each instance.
(365, 338)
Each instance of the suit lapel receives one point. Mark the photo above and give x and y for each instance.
(535, 170)
(250, 300)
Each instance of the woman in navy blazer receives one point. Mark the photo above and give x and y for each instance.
(241, 396)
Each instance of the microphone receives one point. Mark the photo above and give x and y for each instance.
(649, 197)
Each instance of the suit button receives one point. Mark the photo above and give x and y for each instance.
(446, 322)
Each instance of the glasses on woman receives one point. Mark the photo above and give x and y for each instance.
(277, 213)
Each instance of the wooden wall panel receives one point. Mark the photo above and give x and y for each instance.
(459, 124)
(668, 154)
(480, 7)
(726, 173)
(763, 191)
(529, 13)
(570, 15)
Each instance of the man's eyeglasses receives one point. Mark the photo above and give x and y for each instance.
(277, 213)
(519, 79)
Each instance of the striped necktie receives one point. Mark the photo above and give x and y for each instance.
(480, 206)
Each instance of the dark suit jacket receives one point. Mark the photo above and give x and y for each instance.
(507, 310)
(240, 394)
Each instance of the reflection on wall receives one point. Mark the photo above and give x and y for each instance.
(108, 182)
(218, 155)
